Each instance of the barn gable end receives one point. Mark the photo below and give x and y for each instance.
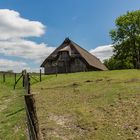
(70, 57)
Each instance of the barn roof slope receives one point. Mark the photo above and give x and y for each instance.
(89, 58)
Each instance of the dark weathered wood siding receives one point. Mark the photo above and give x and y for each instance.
(77, 65)
(74, 66)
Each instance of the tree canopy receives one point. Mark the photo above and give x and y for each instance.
(126, 41)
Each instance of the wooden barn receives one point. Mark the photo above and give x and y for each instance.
(69, 57)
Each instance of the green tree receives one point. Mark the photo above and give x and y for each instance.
(113, 64)
(126, 39)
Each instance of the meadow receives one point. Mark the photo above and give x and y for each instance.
(88, 105)
(101, 105)
(13, 121)
(12, 112)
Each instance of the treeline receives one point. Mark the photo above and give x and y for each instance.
(126, 42)
(9, 71)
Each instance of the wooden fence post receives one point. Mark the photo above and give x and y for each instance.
(33, 126)
(28, 84)
(23, 80)
(15, 78)
(3, 77)
(32, 117)
(40, 75)
(23, 74)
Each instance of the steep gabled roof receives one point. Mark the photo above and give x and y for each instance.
(88, 57)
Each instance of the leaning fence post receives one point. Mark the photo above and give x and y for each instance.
(23, 74)
(33, 125)
(23, 78)
(40, 75)
(15, 78)
(4, 77)
(28, 83)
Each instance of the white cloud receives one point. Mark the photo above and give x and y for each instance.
(12, 25)
(14, 31)
(25, 49)
(17, 66)
(102, 52)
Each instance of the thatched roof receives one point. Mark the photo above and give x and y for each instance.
(88, 57)
(67, 48)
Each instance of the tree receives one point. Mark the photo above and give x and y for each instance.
(113, 64)
(126, 39)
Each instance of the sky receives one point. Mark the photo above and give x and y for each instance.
(31, 29)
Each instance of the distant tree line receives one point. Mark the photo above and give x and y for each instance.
(8, 71)
(126, 42)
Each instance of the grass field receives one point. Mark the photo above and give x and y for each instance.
(13, 124)
(89, 106)
(12, 112)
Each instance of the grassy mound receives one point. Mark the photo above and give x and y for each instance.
(92, 105)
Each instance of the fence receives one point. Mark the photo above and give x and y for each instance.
(5, 75)
(16, 77)
(32, 121)
(25, 78)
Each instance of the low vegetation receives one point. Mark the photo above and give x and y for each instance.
(12, 112)
(92, 105)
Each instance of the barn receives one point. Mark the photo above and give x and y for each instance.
(69, 57)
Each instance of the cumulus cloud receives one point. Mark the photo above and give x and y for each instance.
(25, 49)
(102, 52)
(17, 66)
(12, 25)
(14, 31)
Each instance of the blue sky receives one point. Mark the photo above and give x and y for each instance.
(86, 22)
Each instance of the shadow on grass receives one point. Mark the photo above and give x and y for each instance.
(11, 114)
